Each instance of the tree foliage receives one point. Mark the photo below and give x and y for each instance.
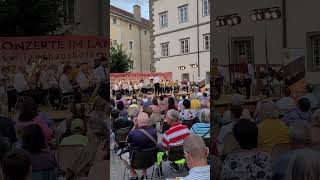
(120, 61)
(30, 17)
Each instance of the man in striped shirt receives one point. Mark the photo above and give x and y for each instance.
(175, 136)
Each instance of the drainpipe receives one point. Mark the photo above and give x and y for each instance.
(198, 40)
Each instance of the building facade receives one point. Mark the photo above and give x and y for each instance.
(85, 17)
(280, 41)
(181, 38)
(133, 32)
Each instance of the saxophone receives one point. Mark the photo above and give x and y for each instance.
(93, 98)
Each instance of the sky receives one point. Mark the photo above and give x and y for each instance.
(127, 5)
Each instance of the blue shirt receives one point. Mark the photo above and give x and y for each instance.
(201, 129)
(198, 173)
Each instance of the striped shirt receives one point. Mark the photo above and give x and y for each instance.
(175, 135)
(201, 129)
(199, 173)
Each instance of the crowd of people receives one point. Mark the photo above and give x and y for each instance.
(33, 146)
(176, 128)
(279, 141)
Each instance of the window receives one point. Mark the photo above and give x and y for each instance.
(183, 13)
(163, 19)
(114, 20)
(130, 44)
(205, 7)
(69, 11)
(314, 52)
(206, 42)
(242, 50)
(165, 49)
(130, 26)
(185, 76)
(145, 32)
(184, 46)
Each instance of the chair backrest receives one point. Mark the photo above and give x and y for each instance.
(143, 159)
(188, 123)
(65, 155)
(176, 153)
(230, 144)
(99, 169)
(278, 150)
(44, 175)
(121, 134)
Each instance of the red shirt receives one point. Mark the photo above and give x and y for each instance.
(175, 135)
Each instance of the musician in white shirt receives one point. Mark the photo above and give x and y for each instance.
(65, 82)
(20, 83)
(156, 82)
(115, 88)
(100, 71)
(83, 79)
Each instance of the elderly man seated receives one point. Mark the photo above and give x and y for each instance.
(140, 138)
(196, 153)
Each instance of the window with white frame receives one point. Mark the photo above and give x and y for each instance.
(185, 76)
(69, 11)
(315, 48)
(183, 14)
(114, 21)
(163, 19)
(130, 26)
(205, 7)
(206, 42)
(165, 49)
(184, 46)
(130, 44)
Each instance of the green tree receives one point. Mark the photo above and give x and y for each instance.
(120, 61)
(30, 17)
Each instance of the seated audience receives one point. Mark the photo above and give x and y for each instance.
(77, 136)
(7, 129)
(286, 103)
(42, 159)
(119, 122)
(16, 165)
(175, 136)
(122, 110)
(315, 129)
(155, 106)
(142, 137)
(299, 138)
(97, 133)
(304, 165)
(196, 154)
(187, 114)
(272, 130)
(29, 115)
(247, 163)
(310, 95)
(202, 129)
(235, 102)
(301, 113)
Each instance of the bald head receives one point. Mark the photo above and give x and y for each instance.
(143, 119)
(196, 147)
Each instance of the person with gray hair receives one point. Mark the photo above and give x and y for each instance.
(299, 138)
(304, 165)
(202, 129)
(196, 153)
(268, 137)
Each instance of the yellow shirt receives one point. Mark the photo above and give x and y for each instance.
(272, 132)
(195, 104)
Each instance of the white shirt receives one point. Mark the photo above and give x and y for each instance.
(43, 79)
(250, 71)
(65, 84)
(82, 80)
(156, 79)
(130, 88)
(20, 83)
(136, 86)
(52, 78)
(116, 87)
(100, 74)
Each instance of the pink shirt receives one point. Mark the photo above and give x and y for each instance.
(48, 134)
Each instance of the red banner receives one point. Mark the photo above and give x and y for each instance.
(138, 76)
(58, 49)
